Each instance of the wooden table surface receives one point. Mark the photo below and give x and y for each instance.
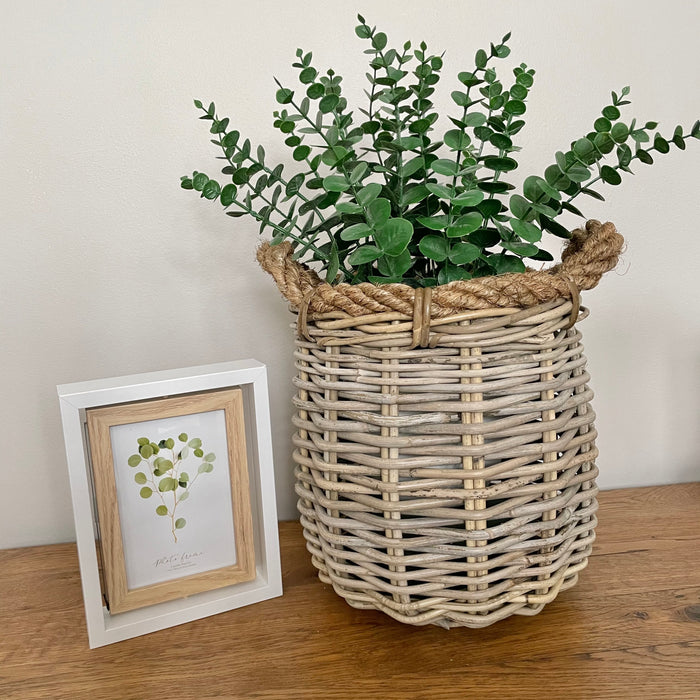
(629, 629)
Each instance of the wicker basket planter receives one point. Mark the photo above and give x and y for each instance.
(445, 446)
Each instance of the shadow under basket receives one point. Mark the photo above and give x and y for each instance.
(445, 462)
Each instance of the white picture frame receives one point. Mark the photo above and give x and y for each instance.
(162, 606)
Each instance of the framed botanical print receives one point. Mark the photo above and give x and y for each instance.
(173, 466)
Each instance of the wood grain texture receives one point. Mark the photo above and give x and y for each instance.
(630, 629)
(99, 421)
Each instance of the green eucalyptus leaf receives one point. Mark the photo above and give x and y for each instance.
(301, 153)
(466, 224)
(379, 41)
(498, 187)
(334, 155)
(504, 164)
(420, 126)
(584, 148)
(554, 227)
(146, 492)
(395, 266)
(455, 139)
(308, 75)
(524, 250)
(500, 141)
(602, 125)
(518, 91)
(610, 175)
(140, 478)
(314, 91)
(335, 183)
(592, 193)
(199, 181)
(358, 173)
(414, 194)
(348, 208)
(474, 119)
(570, 207)
(624, 155)
(162, 510)
(228, 194)
(362, 30)
(460, 98)
(463, 253)
(470, 198)
(556, 178)
(438, 190)
(180, 523)
(394, 235)
(514, 107)
(364, 254)
(328, 103)
(525, 79)
(506, 263)
(620, 132)
(521, 208)
(661, 144)
(451, 273)
(542, 255)
(578, 173)
(134, 460)
(445, 167)
(604, 143)
(284, 96)
(356, 232)
(413, 166)
(434, 223)
(644, 156)
(526, 230)
(368, 193)
(485, 237)
(434, 247)
(378, 212)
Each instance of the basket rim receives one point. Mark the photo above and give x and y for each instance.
(590, 253)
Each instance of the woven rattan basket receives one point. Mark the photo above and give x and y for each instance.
(445, 441)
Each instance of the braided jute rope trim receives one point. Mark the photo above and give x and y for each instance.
(590, 253)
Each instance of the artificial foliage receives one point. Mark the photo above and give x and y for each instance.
(392, 192)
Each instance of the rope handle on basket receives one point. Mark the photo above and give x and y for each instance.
(575, 303)
(590, 253)
(302, 316)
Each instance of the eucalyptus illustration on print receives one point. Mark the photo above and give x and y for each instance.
(163, 475)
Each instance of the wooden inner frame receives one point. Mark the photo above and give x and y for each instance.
(99, 422)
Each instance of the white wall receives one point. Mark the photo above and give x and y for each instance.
(108, 268)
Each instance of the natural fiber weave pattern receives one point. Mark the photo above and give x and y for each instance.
(452, 485)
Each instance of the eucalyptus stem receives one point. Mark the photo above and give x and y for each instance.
(419, 215)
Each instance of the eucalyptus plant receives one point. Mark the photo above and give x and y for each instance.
(388, 194)
(161, 473)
